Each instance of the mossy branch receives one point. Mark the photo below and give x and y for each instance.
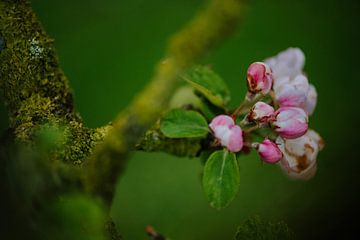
(34, 88)
(154, 141)
(255, 228)
(209, 26)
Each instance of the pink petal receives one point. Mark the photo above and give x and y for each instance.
(269, 151)
(236, 139)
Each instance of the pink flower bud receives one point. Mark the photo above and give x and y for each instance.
(235, 142)
(259, 78)
(269, 151)
(311, 100)
(229, 134)
(291, 122)
(221, 120)
(261, 112)
(299, 155)
(292, 93)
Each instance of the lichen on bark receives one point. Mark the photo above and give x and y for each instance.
(35, 90)
(34, 87)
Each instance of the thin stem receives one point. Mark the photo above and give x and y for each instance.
(247, 103)
(251, 129)
(273, 98)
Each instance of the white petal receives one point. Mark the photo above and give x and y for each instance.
(311, 100)
(299, 155)
(223, 133)
(287, 63)
(301, 83)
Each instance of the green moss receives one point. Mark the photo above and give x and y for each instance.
(75, 144)
(35, 90)
(155, 141)
(80, 142)
(257, 229)
(34, 87)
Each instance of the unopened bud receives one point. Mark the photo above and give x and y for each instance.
(291, 122)
(259, 78)
(229, 134)
(269, 151)
(261, 112)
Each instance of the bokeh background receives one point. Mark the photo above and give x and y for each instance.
(108, 50)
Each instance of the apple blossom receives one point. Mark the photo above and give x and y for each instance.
(261, 112)
(269, 152)
(294, 93)
(299, 155)
(290, 122)
(259, 78)
(291, 87)
(311, 100)
(229, 134)
(273, 117)
(288, 63)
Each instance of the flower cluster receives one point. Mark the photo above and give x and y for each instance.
(277, 107)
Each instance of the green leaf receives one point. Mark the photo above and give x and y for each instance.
(184, 96)
(221, 178)
(209, 84)
(180, 123)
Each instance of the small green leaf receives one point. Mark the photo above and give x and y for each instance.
(180, 123)
(221, 178)
(209, 84)
(184, 96)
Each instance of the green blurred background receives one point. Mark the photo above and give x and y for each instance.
(108, 50)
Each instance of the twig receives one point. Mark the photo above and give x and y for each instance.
(209, 26)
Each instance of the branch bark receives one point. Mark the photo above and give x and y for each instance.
(154, 141)
(210, 25)
(34, 88)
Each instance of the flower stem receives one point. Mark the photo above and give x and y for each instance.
(248, 102)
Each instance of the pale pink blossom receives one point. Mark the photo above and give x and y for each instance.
(235, 142)
(288, 63)
(269, 152)
(311, 100)
(259, 78)
(292, 93)
(222, 120)
(290, 86)
(299, 155)
(291, 122)
(261, 112)
(229, 134)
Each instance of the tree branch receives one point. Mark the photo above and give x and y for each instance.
(34, 88)
(209, 26)
(154, 141)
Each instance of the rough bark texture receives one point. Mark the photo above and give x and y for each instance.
(35, 90)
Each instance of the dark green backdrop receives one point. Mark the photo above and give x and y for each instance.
(108, 49)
